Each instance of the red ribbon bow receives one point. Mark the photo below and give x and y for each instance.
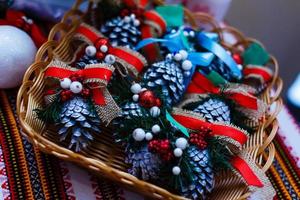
(18, 19)
(234, 135)
(227, 132)
(202, 85)
(153, 25)
(96, 76)
(135, 62)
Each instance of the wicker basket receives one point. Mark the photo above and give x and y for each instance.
(106, 158)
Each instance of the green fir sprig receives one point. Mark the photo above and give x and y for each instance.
(50, 113)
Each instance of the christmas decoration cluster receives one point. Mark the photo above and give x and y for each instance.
(179, 103)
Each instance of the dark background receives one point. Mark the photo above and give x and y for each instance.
(276, 23)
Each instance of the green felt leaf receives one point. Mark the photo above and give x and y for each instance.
(255, 54)
(216, 78)
(172, 14)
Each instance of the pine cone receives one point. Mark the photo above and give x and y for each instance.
(145, 165)
(121, 32)
(214, 110)
(86, 60)
(131, 110)
(219, 66)
(77, 120)
(203, 178)
(167, 75)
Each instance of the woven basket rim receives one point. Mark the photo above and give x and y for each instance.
(34, 75)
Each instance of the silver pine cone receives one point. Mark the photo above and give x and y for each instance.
(144, 164)
(121, 33)
(168, 76)
(214, 110)
(77, 121)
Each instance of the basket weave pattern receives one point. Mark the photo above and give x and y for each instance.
(106, 158)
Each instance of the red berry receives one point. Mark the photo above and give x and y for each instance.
(26, 27)
(124, 12)
(49, 92)
(157, 102)
(237, 58)
(101, 41)
(100, 55)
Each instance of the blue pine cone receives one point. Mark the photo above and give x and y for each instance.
(203, 177)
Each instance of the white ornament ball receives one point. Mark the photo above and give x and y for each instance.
(176, 170)
(127, 19)
(186, 65)
(240, 66)
(90, 51)
(149, 136)
(155, 129)
(184, 54)
(76, 87)
(17, 52)
(110, 59)
(136, 22)
(155, 111)
(135, 97)
(103, 48)
(138, 134)
(181, 143)
(178, 152)
(136, 88)
(65, 83)
(178, 57)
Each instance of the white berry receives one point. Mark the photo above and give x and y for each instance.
(177, 152)
(136, 22)
(127, 19)
(103, 48)
(184, 54)
(192, 33)
(65, 83)
(240, 66)
(132, 16)
(29, 21)
(143, 89)
(186, 65)
(187, 73)
(136, 88)
(155, 129)
(90, 51)
(76, 87)
(110, 59)
(178, 57)
(176, 170)
(139, 134)
(149, 136)
(181, 143)
(173, 31)
(169, 57)
(135, 97)
(155, 111)
(185, 33)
